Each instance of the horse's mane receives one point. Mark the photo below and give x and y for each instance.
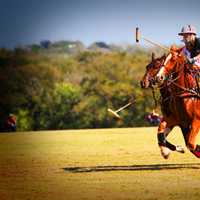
(177, 55)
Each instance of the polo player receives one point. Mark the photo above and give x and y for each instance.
(192, 45)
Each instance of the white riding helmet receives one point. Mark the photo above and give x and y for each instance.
(188, 29)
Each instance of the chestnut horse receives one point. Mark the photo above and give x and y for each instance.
(184, 96)
(169, 120)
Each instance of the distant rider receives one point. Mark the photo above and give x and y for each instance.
(11, 122)
(153, 118)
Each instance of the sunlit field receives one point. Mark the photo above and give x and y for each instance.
(95, 164)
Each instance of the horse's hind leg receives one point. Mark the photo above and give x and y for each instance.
(191, 139)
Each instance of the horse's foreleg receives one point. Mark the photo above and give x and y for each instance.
(191, 139)
(163, 131)
(165, 146)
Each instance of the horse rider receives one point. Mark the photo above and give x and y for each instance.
(192, 45)
(11, 122)
(192, 51)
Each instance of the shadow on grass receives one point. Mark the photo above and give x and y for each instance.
(132, 167)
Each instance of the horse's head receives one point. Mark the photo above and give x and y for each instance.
(171, 64)
(149, 78)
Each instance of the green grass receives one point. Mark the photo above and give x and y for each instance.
(34, 166)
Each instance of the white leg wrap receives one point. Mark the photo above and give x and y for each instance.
(165, 152)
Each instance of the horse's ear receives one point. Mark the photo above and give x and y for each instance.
(174, 51)
(173, 48)
(153, 56)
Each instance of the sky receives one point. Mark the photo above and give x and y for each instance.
(112, 21)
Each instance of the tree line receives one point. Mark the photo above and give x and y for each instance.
(62, 91)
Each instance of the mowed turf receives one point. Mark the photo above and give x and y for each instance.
(95, 164)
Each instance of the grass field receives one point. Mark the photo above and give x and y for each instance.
(117, 164)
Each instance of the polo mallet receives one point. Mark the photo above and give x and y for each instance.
(138, 36)
(115, 112)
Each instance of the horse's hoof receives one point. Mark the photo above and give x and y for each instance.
(180, 149)
(165, 156)
(165, 152)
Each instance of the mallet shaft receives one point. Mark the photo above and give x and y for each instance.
(128, 104)
(156, 44)
(137, 38)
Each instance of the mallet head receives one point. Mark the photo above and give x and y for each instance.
(114, 113)
(137, 35)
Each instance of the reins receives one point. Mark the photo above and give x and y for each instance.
(154, 98)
